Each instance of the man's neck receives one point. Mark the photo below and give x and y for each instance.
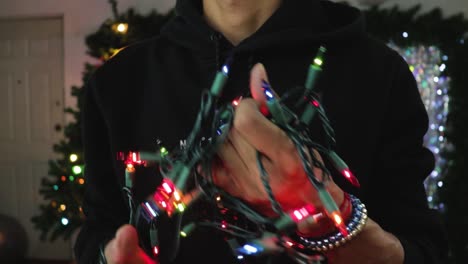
(238, 19)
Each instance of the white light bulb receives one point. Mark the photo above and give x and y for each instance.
(225, 69)
(250, 249)
(65, 221)
(442, 67)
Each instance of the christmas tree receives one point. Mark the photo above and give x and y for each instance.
(63, 189)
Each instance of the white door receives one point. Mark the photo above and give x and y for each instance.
(31, 103)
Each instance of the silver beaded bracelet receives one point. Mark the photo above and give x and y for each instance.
(354, 227)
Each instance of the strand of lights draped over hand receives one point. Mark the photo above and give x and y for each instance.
(428, 65)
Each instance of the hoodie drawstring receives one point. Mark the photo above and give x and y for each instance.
(216, 38)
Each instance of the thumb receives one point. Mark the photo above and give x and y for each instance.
(258, 81)
(127, 240)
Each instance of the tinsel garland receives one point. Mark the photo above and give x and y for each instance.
(409, 30)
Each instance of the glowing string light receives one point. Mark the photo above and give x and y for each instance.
(77, 169)
(318, 61)
(225, 69)
(148, 206)
(120, 28)
(64, 221)
(73, 157)
(442, 67)
(180, 207)
(250, 249)
(269, 94)
(163, 151)
(177, 196)
(236, 101)
(298, 215)
(155, 250)
(167, 188)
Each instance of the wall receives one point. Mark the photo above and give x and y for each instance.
(80, 17)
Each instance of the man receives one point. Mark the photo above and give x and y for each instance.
(150, 91)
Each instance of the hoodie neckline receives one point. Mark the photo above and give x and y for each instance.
(294, 22)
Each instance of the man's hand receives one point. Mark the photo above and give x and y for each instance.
(238, 173)
(124, 249)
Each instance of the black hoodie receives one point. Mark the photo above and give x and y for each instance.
(151, 91)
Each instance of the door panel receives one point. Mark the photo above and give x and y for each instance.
(31, 89)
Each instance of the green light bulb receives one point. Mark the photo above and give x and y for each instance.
(181, 208)
(77, 169)
(318, 61)
(188, 229)
(163, 151)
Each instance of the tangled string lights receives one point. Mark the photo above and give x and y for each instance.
(184, 183)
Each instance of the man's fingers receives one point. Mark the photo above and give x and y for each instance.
(110, 251)
(127, 240)
(234, 165)
(231, 157)
(258, 76)
(246, 152)
(262, 134)
(124, 247)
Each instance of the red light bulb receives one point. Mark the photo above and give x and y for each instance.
(302, 213)
(155, 250)
(236, 101)
(223, 224)
(351, 178)
(167, 188)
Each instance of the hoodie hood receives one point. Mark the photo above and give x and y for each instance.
(295, 22)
